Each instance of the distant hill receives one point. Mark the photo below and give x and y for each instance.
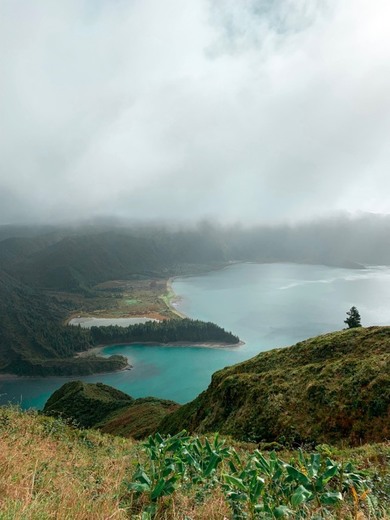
(329, 388)
(111, 411)
(75, 259)
(77, 262)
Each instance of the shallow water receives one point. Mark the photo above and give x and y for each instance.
(267, 305)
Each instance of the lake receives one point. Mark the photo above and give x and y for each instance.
(267, 305)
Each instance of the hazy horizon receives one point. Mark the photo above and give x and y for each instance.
(203, 224)
(254, 112)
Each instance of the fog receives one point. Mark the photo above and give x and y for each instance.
(254, 111)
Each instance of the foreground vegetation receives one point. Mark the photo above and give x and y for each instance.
(51, 470)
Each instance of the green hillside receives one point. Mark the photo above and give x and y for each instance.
(111, 411)
(79, 261)
(33, 340)
(326, 389)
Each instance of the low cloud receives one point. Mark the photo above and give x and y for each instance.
(256, 111)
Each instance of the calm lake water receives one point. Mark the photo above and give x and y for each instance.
(267, 305)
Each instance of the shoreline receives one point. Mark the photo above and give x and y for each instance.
(201, 344)
(171, 297)
(185, 344)
(95, 351)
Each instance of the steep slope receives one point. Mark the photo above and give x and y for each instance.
(140, 419)
(79, 257)
(85, 403)
(14, 250)
(34, 342)
(78, 262)
(103, 407)
(333, 387)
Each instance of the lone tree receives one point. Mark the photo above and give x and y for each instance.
(353, 319)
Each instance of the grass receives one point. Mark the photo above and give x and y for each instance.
(131, 302)
(49, 470)
(52, 470)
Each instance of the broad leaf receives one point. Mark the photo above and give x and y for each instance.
(300, 496)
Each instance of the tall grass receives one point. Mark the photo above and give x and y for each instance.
(52, 470)
(49, 470)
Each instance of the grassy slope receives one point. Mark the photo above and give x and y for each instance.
(49, 470)
(77, 262)
(332, 387)
(138, 420)
(86, 404)
(103, 407)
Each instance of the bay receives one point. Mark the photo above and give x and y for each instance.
(267, 305)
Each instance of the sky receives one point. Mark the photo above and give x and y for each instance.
(257, 111)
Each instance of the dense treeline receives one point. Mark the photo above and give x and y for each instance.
(163, 332)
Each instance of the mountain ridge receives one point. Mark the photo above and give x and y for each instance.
(326, 389)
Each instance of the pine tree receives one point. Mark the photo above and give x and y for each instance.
(353, 319)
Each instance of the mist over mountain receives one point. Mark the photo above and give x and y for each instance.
(79, 257)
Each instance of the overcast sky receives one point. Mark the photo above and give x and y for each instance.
(252, 110)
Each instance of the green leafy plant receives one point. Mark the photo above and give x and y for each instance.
(255, 486)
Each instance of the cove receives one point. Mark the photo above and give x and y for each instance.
(267, 305)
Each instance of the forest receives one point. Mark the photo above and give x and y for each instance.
(169, 331)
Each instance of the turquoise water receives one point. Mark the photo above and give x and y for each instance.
(267, 305)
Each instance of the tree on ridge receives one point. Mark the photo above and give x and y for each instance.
(353, 319)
